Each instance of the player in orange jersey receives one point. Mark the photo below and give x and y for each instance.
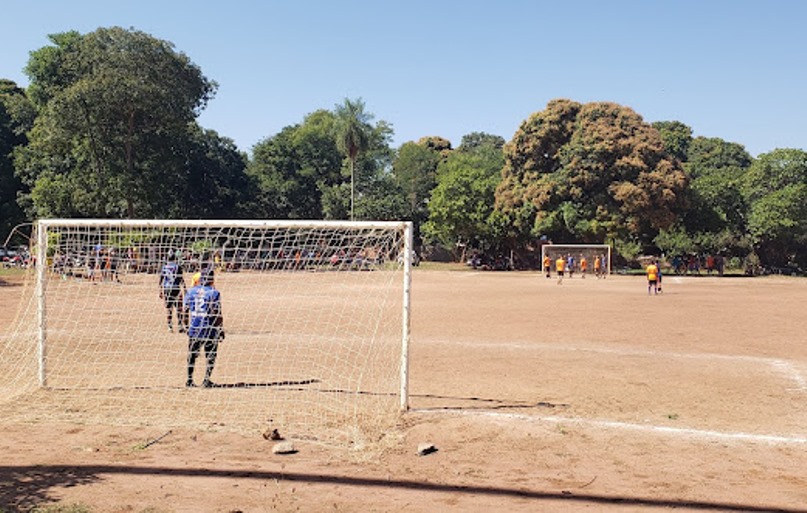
(560, 267)
(652, 277)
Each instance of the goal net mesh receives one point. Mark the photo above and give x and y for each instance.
(582, 256)
(313, 315)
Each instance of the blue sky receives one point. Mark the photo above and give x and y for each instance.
(730, 69)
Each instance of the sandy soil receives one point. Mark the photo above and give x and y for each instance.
(585, 396)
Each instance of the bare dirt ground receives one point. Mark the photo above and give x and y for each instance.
(585, 396)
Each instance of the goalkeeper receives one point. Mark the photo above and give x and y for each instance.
(206, 327)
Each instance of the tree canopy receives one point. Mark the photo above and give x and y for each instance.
(775, 187)
(13, 108)
(590, 173)
(114, 108)
(461, 203)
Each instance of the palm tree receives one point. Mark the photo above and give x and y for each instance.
(352, 136)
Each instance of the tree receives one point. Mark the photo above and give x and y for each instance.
(676, 137)
(16, 114)
(353, 126)
(591, 173)
(114, 106)
(461, 204)
(716, 220)
(377, 195)
(437, 144)
(775, 188)
(294, 168)
(298, 173)
(474, 140)
(214, 183)
(415, 169)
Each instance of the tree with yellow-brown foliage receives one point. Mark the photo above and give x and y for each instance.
(590, 173)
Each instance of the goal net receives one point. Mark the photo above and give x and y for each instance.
(316, 318)
(596, 258)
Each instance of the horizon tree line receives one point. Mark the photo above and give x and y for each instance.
(108, 128)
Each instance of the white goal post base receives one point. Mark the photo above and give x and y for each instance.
(316, 316)
(579, 251)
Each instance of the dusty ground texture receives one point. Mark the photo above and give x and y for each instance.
(585, 396)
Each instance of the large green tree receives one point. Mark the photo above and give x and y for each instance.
(589, 173)
(115, 106)
(16, 114)
(299, 173)
(675, 136)
(715, 218)
(213, 183)
(775, 188)
(293, 168)
(415, 169)
(461, 203)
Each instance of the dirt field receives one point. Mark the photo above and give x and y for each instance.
(585, 396)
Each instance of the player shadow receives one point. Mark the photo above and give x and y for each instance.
(25, 487)
(242, 384)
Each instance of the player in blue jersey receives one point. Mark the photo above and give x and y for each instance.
(206, 327)
(172, 289)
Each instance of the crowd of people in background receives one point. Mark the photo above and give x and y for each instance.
(695, 264)
(101, 263)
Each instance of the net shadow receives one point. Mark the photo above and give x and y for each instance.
(24, 487)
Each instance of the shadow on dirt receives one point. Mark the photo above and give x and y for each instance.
(478, 403)
(23, 487)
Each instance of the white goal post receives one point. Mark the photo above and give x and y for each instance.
(316, 316)
(591, 252)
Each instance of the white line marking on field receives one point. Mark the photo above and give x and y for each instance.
(791, 372)
(607, 350)
(785, 367)
(612, 424)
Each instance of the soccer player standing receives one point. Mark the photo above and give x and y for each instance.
(652, 278)
(560, 266)
(206, 327)
(172, 288)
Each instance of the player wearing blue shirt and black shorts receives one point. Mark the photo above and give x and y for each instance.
(206, 326)
(172, 287)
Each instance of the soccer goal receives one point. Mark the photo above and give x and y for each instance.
(316, 317)
(597, 257)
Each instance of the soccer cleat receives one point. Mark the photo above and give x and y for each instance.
(189, 383)
(208, 384)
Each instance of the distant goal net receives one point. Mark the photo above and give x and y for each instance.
(316, 317)
(581, 259)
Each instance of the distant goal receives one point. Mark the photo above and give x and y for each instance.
(316, 316)
(578, 252)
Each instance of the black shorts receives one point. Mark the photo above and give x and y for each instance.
(172, 298)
